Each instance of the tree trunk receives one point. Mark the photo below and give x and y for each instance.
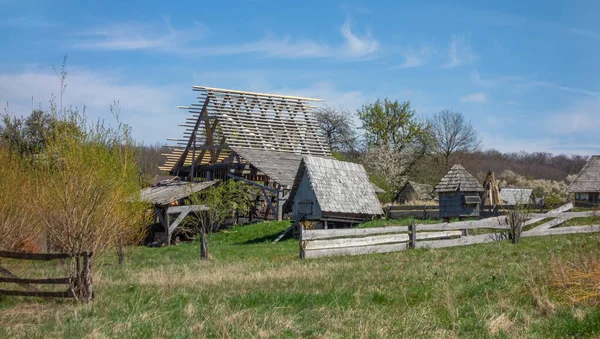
(121, 249)
(203, 244)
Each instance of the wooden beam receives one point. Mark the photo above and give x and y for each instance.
(231, 91)
(264, 188)
(33, 256)
(66, 294)
(52, 281)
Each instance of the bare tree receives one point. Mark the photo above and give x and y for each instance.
(453, 137)
(338, 128)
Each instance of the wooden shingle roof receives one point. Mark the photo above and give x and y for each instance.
(340, 187)
(173, 191)
(279, 166)
(458, 179)
(516, 196)
(588, 179)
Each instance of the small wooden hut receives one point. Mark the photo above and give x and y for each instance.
(459, 194)
(586, 186)
(331, 191)
(413, 191)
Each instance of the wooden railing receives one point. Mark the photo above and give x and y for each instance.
(79, 284)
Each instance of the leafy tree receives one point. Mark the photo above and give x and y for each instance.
(221, 200)
(396, 140)
(26, 136)
(454, 138)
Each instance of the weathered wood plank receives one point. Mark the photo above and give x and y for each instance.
(498, 223)
(355, 242)
(33, 256)
(397, 215)
(65, 294)
(564, 214)
(563, 230)
(348, 232)
(9, 274)
(463, 241)
(189, 208)
(563, 208)
(51, 281)
(311, 254)
(548, 225)
(413, 208)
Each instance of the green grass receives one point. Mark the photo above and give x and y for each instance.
(253, 288)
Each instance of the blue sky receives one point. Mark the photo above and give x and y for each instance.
(524, 72)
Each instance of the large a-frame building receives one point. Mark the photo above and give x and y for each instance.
(255, 137)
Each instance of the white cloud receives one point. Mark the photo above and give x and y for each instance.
(581, 118)
(479, 97)
(143, 107)
(460, 52)
(357, 46)
(415, 59)
(136, 36)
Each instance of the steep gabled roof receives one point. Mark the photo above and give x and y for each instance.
(458, 179)
(225, 119)
(340, 187)
(588, 179)
(423, 191)
(279, 166)
(516, 196)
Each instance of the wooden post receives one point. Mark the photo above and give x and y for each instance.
(301, 241)
(86, 286)
(412, 228)
(465, 232)
(203, 244)
(425, 212)
(166, 224)
(280, 203)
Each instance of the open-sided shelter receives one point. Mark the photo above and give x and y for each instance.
(586, 186)
(328, 190)
(459, 194)
(259, 138)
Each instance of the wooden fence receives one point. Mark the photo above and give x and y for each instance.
(78, 285)
(335, 242)
(433, 211)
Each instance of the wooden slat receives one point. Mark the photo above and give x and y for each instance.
(563, 214)
(563, 208)
(35, 281)
(65, 294)
(397, 215)
(33, 256)
(413, 208)
(489, 223)
(189, 208)
(463, 241)
(311, 254)
(348, 232)
(563, 230)
(245, 93)
(355, 242)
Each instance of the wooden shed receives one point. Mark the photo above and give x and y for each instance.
(586, 186)
(517, 196)
(413, 191)
(328, 190)
(459, 194)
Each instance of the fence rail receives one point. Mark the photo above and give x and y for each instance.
(79, 284)
(335, 242)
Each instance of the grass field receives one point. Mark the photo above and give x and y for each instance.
(253, 288)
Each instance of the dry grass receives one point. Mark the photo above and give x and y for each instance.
(578, 280)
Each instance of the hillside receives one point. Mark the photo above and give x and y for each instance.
(253, 288)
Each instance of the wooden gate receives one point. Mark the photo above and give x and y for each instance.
(78, 285)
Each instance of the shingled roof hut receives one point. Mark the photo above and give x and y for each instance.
(328, 190)
(586, 186)
(255, 137)
(459, 194)
(413, 191)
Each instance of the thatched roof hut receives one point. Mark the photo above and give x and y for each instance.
(326, 189)
(459, 194)
(586, 186)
